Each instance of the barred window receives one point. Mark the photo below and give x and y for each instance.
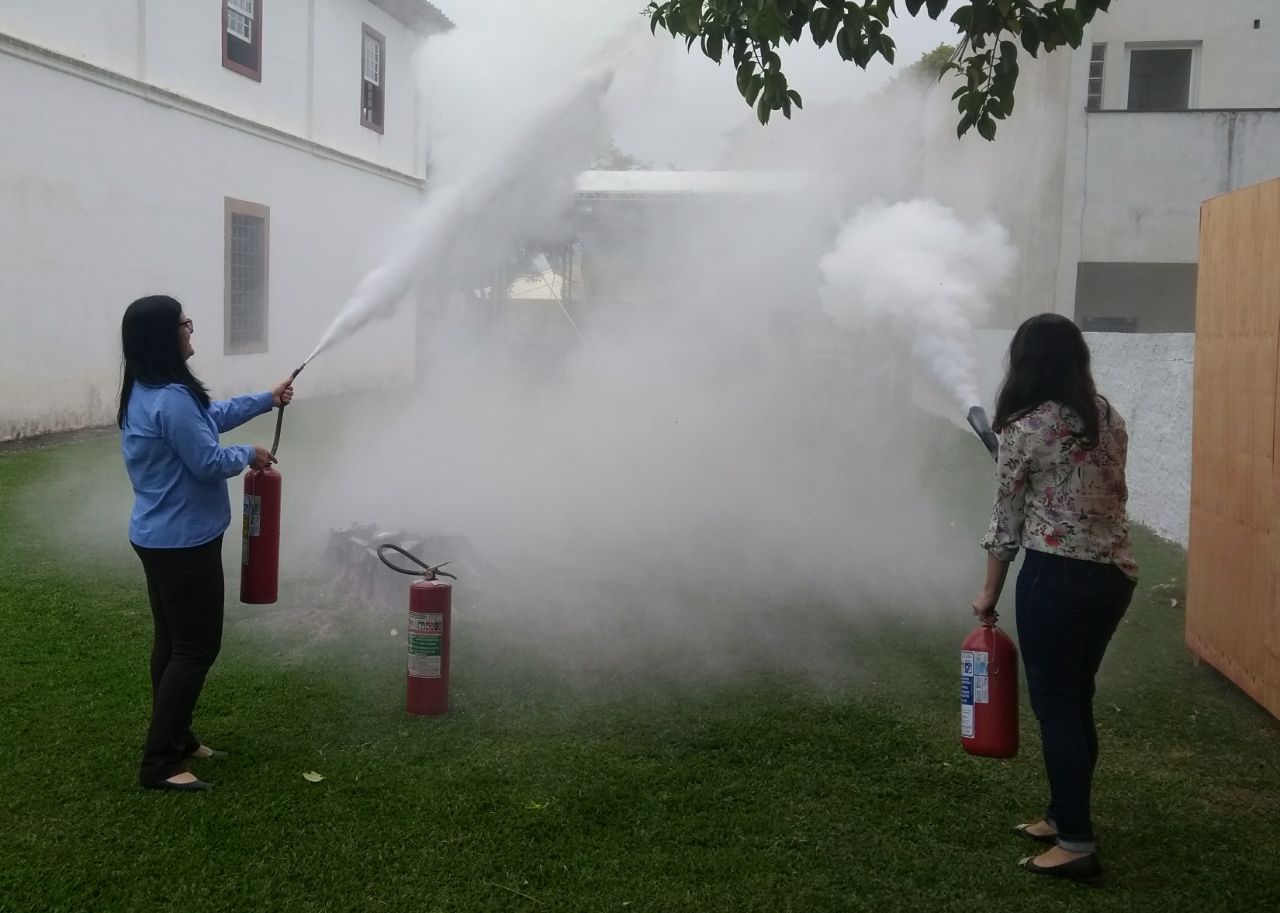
(246, 261)
(373, 56)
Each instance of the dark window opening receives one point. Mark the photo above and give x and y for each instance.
(373, 70)
(242, 37)
(1160, 79)
(1136, 297)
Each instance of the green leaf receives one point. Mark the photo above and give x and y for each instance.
(818, 25)
(1030, 41)
(936, 7)
(713, 47)
(987, 127)
(762, 111)
(692, 12)
(754, 86)
(795, 98)
(844, 43)
(744, 76)
(1072, 27)
(913, 6)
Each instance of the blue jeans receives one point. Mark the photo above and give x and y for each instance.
(1067, 611)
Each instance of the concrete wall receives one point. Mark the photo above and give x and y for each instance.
(1146, 175)
(1148, 378)
(106, 196)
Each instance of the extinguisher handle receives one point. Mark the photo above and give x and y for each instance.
(422, 570)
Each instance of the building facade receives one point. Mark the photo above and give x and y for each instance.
(248, 157)
(1172, 102)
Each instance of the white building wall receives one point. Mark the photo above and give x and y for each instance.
(1238, 66)
(337, 86)
(104, 34)
(311, 50)
(184, 55)
(109, 196)
(1134, 181)
(1147, 173)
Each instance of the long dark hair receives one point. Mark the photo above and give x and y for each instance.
(152, 356)
(1049, 361)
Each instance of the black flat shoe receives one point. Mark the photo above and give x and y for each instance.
(1082, 868)
(1022, 830)
(195, 786)
(214, 755)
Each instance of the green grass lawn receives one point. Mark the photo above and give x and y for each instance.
(542, 790)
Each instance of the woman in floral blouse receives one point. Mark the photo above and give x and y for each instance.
(1060, 494)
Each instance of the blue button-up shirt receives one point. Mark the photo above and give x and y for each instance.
(178, 468)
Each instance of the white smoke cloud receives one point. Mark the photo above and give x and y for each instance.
(916, 270)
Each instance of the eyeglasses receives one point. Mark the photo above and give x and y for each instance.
(189, 324)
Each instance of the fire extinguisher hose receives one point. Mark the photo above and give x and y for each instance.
(422, 570)
(275, 442)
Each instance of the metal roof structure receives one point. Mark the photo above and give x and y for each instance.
(415, 14)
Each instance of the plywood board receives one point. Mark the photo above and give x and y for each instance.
(1233, 573)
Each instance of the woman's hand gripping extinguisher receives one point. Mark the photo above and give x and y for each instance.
(430, 622)
(260, 537)
(989, 692)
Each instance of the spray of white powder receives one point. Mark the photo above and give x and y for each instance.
(918, 271)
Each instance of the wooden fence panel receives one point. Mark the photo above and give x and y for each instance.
(1233, 562)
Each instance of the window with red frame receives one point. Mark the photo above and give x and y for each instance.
(373, 72)
(242, 37)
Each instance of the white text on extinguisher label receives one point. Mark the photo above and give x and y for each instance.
(966, 693)
(426, 642)
(252, 526)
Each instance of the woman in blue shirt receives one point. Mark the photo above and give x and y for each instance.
(169, 436)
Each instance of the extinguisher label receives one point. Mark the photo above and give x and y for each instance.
(252, 525)
(426, 644)
(967, 661)
(253, 515)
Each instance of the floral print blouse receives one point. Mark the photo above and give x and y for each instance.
(1054, 496)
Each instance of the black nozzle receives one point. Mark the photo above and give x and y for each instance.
(978, 422)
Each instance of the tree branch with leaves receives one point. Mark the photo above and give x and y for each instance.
(990, 35)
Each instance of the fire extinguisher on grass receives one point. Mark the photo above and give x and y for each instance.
(989, 693)
(430, 622)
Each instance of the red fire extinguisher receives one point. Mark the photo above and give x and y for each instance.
(260, 539)
(430, 623)
(989, 693)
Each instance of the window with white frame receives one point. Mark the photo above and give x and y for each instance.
(1097, 66)
(242, 37)
(1160, 78)
(373, 59)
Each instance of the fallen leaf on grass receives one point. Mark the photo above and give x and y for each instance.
(312, 777)
(534, 805)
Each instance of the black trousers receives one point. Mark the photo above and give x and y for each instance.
(185, 587)
(1068, 610)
